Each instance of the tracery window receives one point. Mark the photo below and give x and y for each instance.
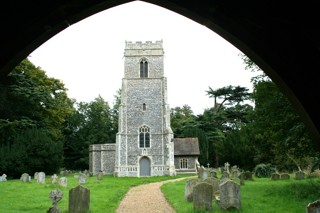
(143, 69)
(144, 137)
(183, 163)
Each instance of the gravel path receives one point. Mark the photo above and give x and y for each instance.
(146, 198)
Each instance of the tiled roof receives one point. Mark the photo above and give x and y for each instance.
(186, 146)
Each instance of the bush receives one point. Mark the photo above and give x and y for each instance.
(264, 170)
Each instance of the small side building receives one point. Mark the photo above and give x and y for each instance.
(186, 153)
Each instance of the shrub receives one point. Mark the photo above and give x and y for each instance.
(264, 170)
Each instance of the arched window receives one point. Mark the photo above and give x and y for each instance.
(144, 137)
(183, 163)
(143, 69)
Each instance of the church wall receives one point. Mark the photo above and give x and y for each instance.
(102, 157)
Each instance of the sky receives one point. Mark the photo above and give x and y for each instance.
(88, 56)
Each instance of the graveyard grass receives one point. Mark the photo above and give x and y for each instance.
(259, 196)
(262, 195)
(33, 197)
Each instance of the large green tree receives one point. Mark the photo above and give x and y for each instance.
(33, 108)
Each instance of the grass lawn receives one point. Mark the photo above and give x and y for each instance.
(259, 196)
(33, 197)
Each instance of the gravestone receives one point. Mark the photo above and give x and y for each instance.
(202, 197)
(100, 175)
(35, 176)
(313, 207)
(55, 195)
(214, 182)
(224, 176)
(275, 176)
(3, 178)
(285, 176)
(213, 174)
(79, 199)
(54, 179)
(203, 173)
(247, 175)
(25, 177)
(230, 196)
(188, 189)
(41, 177)
(63, 181)
(300, 175)
(82, 178)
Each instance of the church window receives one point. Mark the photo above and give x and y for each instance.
(144, 107)
(183, 163)
(143, 69)
(144, 137)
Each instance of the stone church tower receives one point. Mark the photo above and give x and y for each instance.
(144, 143)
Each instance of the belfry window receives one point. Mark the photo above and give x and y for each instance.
(144, 137)
(143, 69)
(144, 107)
(183, 163)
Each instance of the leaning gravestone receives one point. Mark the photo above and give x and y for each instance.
(55, 195)
(188, 189)
(202, 197)
(79, 199)
(313, 207)
(203, 173)
(41, 177)
(230, 196)
(25, 177)
(300, 175)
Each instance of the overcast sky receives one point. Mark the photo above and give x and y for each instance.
(88, 56)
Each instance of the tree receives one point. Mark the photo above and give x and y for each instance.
(31, 104)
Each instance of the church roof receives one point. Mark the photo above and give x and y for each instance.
(186, 146)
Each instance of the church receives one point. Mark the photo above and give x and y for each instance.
(145, 144)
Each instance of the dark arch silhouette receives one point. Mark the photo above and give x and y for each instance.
(282, 39)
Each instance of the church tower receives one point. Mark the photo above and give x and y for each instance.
(144, 143)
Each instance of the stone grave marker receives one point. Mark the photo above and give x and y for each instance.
(313, 207)
(224, 176)
(214, 182)
(41, 177)
(285, 176)
(82, 178)
(300, 175)
(100, 175)
(79, 199)
(203, 173)
(230, 196)
(25, 177)
(202, 197)
(55, 195)
(188, 189)
(213, 174)
(35, 176)
(275, 176)
(54, 179)
(3, 178)
(63, 181)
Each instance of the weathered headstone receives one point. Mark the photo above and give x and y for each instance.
(224, 176)
(275, 176)
(100, 175)
(230, 196)
(54, 179)
(213, 174)
(82, 178)
(41, 177)
(202, 196)
(203, 173)
(79, 199)
(313, 207)
(300, 175)
(55, 195)
(25, 177)
(63, 181)
(285, 176)
(214, 182)
(188, 189)
(3, 178)
(35, 176)
(247, 175)
(226, 167)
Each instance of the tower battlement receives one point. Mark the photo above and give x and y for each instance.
(144, 45)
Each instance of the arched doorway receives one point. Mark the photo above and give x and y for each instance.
(145, 167)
